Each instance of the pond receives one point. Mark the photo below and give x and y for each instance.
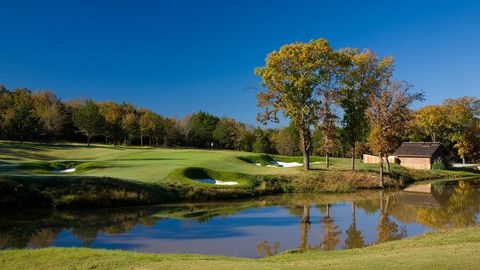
(253, 228)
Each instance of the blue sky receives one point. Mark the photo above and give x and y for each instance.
(177, 57)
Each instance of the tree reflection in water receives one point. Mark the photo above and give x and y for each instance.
(265, 250)
(387, 229)
(459, 209)
(448, 205)
(305, 227)
(354, 236)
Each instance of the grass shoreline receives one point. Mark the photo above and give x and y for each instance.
(457, 248)
(107, 176)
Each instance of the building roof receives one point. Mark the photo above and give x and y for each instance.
(418, 149)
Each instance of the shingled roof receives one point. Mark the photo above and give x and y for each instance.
(418, 149)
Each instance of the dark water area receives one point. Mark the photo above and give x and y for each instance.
(252, 228)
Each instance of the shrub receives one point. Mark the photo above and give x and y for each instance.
(439, 164)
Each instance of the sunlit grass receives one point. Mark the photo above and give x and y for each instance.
(456, 249)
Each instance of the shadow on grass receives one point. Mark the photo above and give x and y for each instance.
(147, 159)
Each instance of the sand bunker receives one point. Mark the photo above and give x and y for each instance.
(277, 164)
(280, 164)
(216, 182)
(71, 170)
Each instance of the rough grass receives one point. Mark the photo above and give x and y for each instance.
(456, 249)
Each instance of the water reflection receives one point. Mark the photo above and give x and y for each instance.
(354, 236)
(253, 228)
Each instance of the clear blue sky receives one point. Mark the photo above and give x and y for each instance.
(177, 57)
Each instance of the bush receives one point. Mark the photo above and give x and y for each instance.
(439, 164)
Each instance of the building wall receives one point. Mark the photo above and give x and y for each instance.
(416, 163)
(375, 159)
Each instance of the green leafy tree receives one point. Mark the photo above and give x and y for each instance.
(20, 119)
(463, 123)
(88, 119)
(287, 141)
(361, 79)
(226, 133)
(203, 126)
(5, 106)
(262, 143)
(291, 78)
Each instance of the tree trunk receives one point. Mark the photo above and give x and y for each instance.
(327, 160)
(88, 140)
(381, 171)
(304, 137)
(388, 165)
(353, 215)
(306, 160)
(353, 157)
(463, 160)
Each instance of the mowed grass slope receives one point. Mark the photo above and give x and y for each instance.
(145, 164)
(155, 165)
(108, 176)
(133, 163)
(457, 249)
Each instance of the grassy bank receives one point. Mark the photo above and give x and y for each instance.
(123, 176)
(456, 249)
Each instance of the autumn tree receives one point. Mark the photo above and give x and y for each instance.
(388, 112)
(146, 125)
(185, 127)
(225, 133)
(88, 119)
(432, 121)
(113, 115)
(171, 133)
(463, 124)
(287, 141)
(4, 107)
(293, 79)
(20, 119)
(48, 109)
(361, 79)
(130, 121)
(245, 138)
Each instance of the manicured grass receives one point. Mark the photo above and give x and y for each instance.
(133, 163)
(155, 165)
(109, 176)
(456, 249)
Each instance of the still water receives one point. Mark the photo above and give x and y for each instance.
(253, 228)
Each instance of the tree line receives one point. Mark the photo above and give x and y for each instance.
(350, 96)
(41, 116)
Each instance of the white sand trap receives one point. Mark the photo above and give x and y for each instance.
(258, 164)
(71, 170)
(279, 164)
(216, 182)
